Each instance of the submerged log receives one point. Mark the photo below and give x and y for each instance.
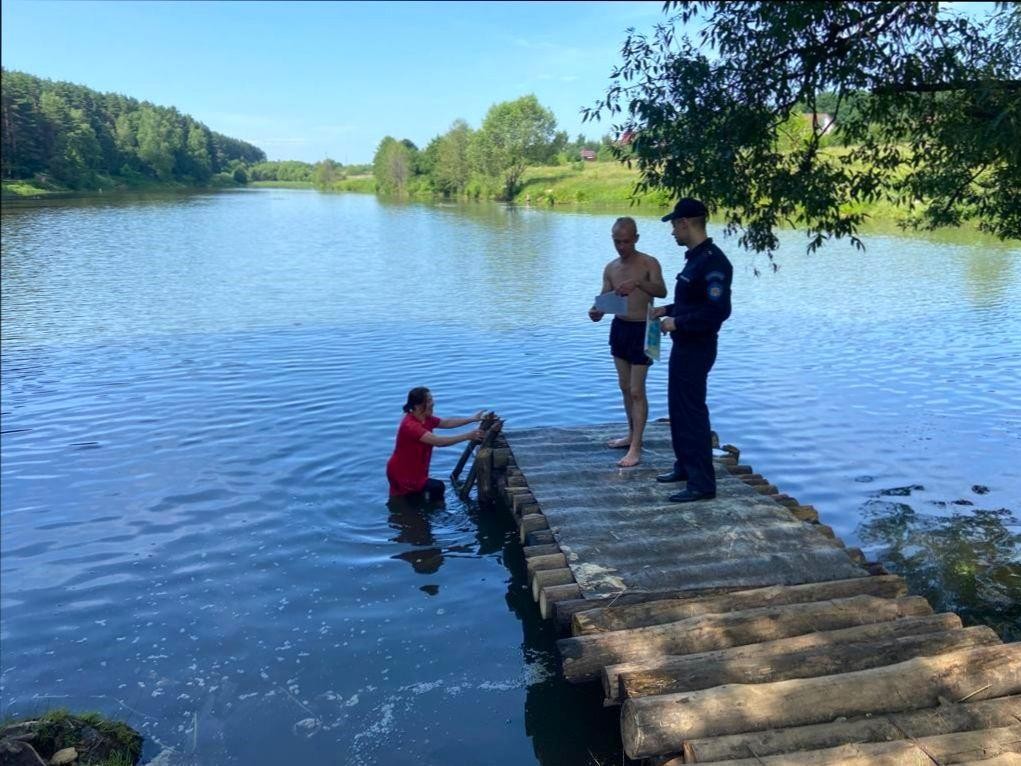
(584, 657)
(960, 747)
(945, 719)
(765, 652)
(660, 725)
(696, 671)
(623, 617)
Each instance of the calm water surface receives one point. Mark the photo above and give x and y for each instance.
(199, 395)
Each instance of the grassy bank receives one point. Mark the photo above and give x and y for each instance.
(589, 183)
(281, 184)
(612, 184)
(35, 188)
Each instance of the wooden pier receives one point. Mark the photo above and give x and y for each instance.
(741, 630)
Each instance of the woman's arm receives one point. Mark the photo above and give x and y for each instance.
(458, 422)
(445, 441)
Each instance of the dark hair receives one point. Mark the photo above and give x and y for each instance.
(416, 396)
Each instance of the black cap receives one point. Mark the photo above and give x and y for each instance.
(687, 207)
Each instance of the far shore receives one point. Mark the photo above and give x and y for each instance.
(593, 187)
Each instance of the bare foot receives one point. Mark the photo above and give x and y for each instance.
(622, 443)
(630, 460)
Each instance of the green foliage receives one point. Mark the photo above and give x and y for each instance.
(287, 170)
(393, 165)
(928, 102)
(57, 132)
(448, 160)
(514, 135)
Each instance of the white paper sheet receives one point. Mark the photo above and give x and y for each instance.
(611, 303)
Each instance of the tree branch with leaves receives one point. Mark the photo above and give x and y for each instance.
(928, 102)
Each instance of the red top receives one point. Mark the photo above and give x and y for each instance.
(408, 467)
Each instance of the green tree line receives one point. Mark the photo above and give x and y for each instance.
(485, 163)
(70, 135)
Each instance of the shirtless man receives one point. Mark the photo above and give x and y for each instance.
(640, 278)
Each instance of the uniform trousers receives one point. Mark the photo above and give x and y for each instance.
(690, 362)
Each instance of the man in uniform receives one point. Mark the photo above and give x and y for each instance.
(701, 304)
(640, 278)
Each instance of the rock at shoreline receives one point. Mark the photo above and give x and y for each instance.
(14, 752)
(60, 739)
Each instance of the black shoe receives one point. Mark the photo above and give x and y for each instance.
(671, 476)
(687, 496)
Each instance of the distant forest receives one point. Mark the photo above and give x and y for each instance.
(58, 133)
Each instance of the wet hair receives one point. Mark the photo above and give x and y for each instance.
(416, 396)
(625, 222)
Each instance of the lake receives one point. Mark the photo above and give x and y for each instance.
(199, 395)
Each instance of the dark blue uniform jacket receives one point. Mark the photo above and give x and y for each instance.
(702, 295)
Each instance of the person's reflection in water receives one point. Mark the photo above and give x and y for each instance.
(409, 516)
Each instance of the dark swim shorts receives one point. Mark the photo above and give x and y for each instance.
(627, 341)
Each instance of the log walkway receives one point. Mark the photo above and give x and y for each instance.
(741, 630)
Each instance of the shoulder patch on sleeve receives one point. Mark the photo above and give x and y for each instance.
(715, 291)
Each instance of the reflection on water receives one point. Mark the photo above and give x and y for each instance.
(968, 561)
(199, 396)
(410, 519)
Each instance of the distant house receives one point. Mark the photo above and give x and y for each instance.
(588, 154)
(819, 121)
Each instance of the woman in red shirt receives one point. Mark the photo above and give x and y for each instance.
(408, 467)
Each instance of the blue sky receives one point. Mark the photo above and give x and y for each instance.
(309, 80)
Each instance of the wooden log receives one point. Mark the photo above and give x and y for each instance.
(805, 513)
(522, 499)
(566, 609)
(484, 469)
(765, 651)
(549, 577)
(491, 430)
(624, 617)
(549, 561)
(753, 479)
(501, 456)
(531, 551)
(944, 719)
(960, 747)
(550, 595)
(697, 671)
(732, 450)
(826, 530)
(532, 523)
(526, 509)
(785, 500)
(584, 657)
(766, 489)
(1004, 759)
(660, 725)
(540, 537)
(516, 481)
(741, 470)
